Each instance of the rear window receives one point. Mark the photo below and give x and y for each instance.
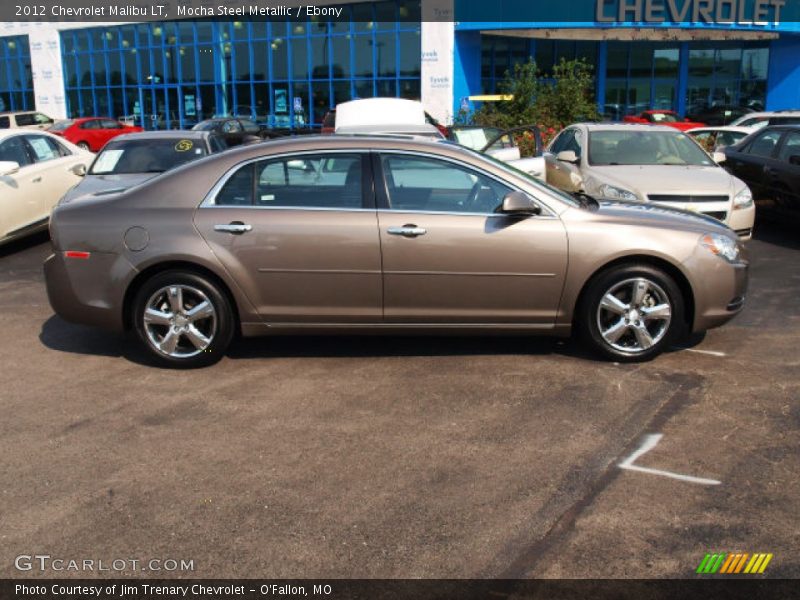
(62, 125)
(5, 122)
(146, 156)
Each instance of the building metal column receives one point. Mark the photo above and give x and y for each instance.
(600, 75)
(466, 68)
(683, 79)
(783, 80)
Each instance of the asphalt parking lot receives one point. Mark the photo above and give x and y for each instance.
(402, 457)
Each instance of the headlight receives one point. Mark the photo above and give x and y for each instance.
(744, 199)
(615, 193)
(721, 245)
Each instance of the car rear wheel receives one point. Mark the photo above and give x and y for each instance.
(183, 319)
(632, 313)
(83, 146)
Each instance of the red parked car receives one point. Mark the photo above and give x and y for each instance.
(91, 133)
(663, 117)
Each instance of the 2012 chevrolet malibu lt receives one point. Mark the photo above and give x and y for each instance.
(355, 234)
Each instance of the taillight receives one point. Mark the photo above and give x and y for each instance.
(77, 254)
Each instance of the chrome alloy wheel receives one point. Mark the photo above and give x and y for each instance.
(634, 315)
(180, 321)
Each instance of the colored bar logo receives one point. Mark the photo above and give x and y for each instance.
(734, 563)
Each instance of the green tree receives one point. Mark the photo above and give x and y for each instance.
(551, 101)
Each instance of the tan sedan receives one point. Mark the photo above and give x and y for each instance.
(345, 234)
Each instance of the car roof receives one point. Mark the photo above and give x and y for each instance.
(734, 128)
(625, 127)
(405, 129)
(171, 134)
(4, 133)
(17, 112)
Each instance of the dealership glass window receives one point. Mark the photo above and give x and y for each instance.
(130, 64)
(727, 73)
(16, 82)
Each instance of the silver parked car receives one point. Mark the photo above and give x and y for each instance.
(648, 163)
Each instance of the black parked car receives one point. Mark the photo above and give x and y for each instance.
(769, 162)
(234, 130)
(723, 114)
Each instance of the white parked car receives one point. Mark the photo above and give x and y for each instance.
(757, 120)
(716, 139)
(397, 116)
(648, 163)
(36, 170)
(25, 119)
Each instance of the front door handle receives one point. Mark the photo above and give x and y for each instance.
(236, 228)
(410, 231)
(36, 179)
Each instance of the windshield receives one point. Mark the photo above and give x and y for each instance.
(645, 148)
(664, 117)
(205, 125)
(145, 156)
(62, 125)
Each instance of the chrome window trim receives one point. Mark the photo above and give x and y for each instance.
(209, 201)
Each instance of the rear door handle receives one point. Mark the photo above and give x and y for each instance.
(236, 228)
(410, 231)
(36, 179)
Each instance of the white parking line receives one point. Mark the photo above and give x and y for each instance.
(650, 442)
(709, 352)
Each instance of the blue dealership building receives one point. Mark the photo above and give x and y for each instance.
(672, 54)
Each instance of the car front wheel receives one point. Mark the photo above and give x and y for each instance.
(83, 146)
(183, 319)
(632, 313)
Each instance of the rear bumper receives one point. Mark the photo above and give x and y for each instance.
(86, 291)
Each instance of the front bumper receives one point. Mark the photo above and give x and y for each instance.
(721, 292)
(87, 291)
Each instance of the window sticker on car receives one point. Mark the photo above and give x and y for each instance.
(184, 146)
(267, 197)
(41, 148)
(106, 162)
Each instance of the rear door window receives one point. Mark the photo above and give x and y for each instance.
(15, 150)
(333, 181)
(790, 148)
(765, 144)
(5, 122)
(25, 119)
(43, 148)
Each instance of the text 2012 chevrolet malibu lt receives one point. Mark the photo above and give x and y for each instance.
(354, 234)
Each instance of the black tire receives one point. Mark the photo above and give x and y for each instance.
(191, 330)
(636, 329)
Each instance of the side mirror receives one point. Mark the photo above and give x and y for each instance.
(517, 203)
(567, 156)
(8, 167)
(794, 159)
(79, 170)
(719, 157)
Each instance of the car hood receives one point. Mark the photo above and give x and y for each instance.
(94, 185)
(655, 215)
(661, 179)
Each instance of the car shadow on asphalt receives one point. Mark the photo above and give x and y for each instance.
(59, 335)
(62, 336)
(771, 230)
(24, 244)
